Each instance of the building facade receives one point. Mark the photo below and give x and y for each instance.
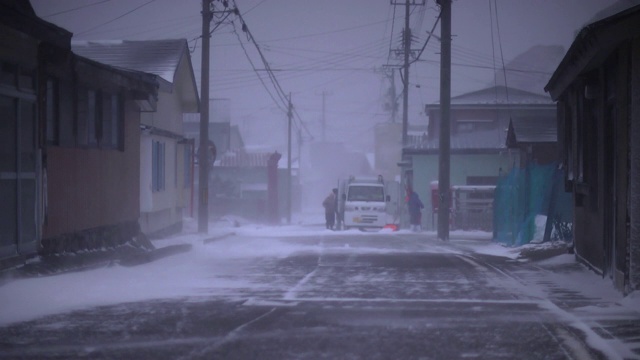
(597, 89)
(69, 157)
(165, 153)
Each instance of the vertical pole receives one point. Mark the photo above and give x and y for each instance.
(445, 121)
(203, 158)
(290, 115)
(405, 98)
(324, 119)
(193, 180)
(394, 110)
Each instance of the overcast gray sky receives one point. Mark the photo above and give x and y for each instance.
(337, 47)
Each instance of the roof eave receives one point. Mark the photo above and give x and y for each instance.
(592, 46)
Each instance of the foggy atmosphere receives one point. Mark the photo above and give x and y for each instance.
(338, 179)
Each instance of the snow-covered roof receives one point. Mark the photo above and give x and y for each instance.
(532, 130)
(496, 96)
(594, 43)
(243, 159)
(158, 57)
(617, 7)
(482, 140)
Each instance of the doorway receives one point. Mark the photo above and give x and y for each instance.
(18, 175)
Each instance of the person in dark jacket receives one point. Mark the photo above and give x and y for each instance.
(329, 204)
(415, 206)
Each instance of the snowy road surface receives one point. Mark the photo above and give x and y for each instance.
(306, 293)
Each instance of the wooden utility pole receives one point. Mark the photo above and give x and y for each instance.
(406, 45)
(203, 158)
(405, 95)
(394, 110)
(289, 187)
(445, 121)
(324, 115)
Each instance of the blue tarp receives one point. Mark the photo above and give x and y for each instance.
(525, 194)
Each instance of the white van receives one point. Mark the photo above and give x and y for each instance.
(364, 202)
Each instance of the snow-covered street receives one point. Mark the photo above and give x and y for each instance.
(302, 291)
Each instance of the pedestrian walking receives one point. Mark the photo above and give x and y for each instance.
(329, 205)
(415, 206)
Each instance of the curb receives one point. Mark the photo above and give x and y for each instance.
(126, 255)
(155, 254)
(216, 238)
(539, 254)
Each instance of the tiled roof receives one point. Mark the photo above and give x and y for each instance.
(494, 139)
(532, 130)
(158, 57)
(497, 95)
(243, 159)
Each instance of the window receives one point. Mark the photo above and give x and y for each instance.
(473, 124)
(92, 118)
(117, 122)
(100, 119)
(482, 180)
(8, 74)
(157, 166)
(465, 127)
(53, 119)
(111, 121)
(366, 193)
(82, 115)
(187, 165)
(66, 114)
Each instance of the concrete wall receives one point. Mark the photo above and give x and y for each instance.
(425, 170)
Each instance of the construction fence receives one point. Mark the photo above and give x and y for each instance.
(531, 205)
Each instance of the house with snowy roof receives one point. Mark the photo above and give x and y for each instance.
(479, 152)
(254, 185)
(165, 153)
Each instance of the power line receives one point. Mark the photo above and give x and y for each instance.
(493, 52)
(255, 6)
(495, 8)
(117, 18)
(281, 94)
(391, 37)
(74, 9)
(490, 67)
(428, 38)
(256, 71)
(327, 32)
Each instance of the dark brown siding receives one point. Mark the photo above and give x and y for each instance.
(90, 188)
(634, 174)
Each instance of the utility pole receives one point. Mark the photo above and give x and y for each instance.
(405, 98)
(203, 152)
(445, 121)
(203, 158)
(290, 116)
(394, 110)
(406, 44)
(324, 117)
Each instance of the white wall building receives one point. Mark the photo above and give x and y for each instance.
(165, 154)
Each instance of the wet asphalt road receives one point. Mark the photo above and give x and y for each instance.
(363, 302)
